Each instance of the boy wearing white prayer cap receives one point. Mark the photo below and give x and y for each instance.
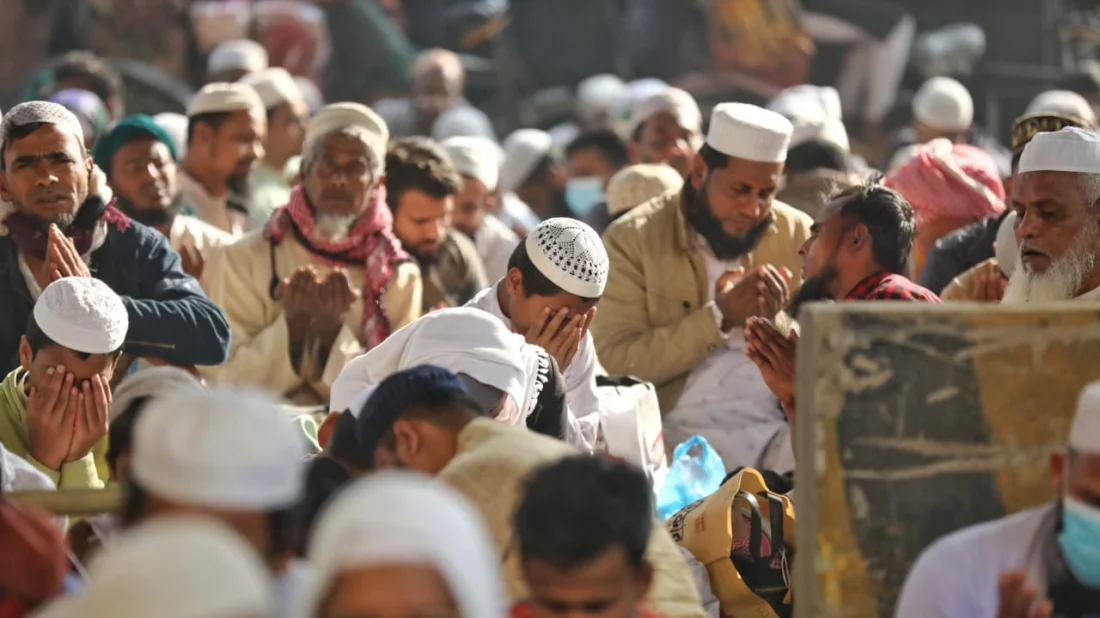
(227, 126)
(686, 272)
(478, 160)
(232, 455)
(666, 127)
(555, 278)
(287, 113)
(1037, 563)
(232, 60)
(54, 407)
(1056, 196)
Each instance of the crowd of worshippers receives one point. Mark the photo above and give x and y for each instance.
(232, 331)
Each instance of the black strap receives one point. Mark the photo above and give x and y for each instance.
(273, 288)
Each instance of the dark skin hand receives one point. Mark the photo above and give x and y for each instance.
(52, 408)
(62, 260)
(774, 355)
(760, 293)
(192, 261)
(559, 334)
(335, 297)
(300, 299)
(90, 424)
(991, 287)
(1020, 599)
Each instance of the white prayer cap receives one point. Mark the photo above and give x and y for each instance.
(1084, 433)
(597, 96)
(570, 254)
(523, 151)
(339, 116)
(221, 97)
(1005, 247)
(241, 54)
(476, 157)
(149, 383)
(463, 120)
(636, 92)
(1064, 102)
(903, 156)
(637, 184)
(673, 101)
(176, 126)
(312, 94)
(401, 518)
(944, 104)
(1069, 150)
(82, 314)
(749, 132)
(815, 113)
(274, 86)
(563, 134)
(173, 567)
(227, 449)
(35, 112)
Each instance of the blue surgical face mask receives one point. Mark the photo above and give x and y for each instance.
(1080, 540)
(582, 194)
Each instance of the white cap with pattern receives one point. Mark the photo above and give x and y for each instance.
(82, 314)
(571, 255)
(1069, 150)
(338, 116)
(35, 112)
(476, 157)
(221, 97)
(1064, 102)
(240, 54)
(523, 151)
(944, 104)
(275, 86)
(749, 132)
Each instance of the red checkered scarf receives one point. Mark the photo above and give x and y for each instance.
(950, 180)
(370, 244)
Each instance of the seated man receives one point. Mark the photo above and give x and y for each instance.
(688, 269)
(421, 185)
(555, 278)
(422, 419)
(532, 173)
(590, 161)
(56, 223)
(437, 82)
(287, 114)
(139, 159)
(666, 127)
(326, 279)
(582, 530)
(54, 407)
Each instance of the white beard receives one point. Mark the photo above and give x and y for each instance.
(333, 228)
(1062, 280)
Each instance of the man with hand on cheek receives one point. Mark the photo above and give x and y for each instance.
(54, 407)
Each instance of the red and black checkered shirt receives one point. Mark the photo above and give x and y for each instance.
(888, 286)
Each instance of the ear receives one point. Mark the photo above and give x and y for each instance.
(5, 193)
(698, 172)
(645, 579)
(859, 238)
(514, 282)
(408, 440)
(1058, 460)
(25, 354)
(557, 176)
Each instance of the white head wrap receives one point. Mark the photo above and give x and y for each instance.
(476, 157)
(673, 101)
(944, 104)
(1005, 248)
(815, 113)
(150, 382)
(176, 127)
(523, 151)
(240, 54)
(637, 184)
(312, 94)
(224, 98)
(571, 255)
(82, 314)
(463, 121)
(339, 116)
(597, 97)
(219, 448)
(173, 567)
(1069, 150)
(1084, 433)
(749, 132)
(34, 112)
(274, 86)
(400, 518)
(636, 92)
(1064, 102)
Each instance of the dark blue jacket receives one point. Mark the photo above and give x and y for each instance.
(170, 316)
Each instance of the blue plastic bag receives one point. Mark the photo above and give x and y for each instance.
(696, 472)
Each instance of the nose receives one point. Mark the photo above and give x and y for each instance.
(804, 248)
(1027, 226)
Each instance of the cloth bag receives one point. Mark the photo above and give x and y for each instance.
(630, 425)
(733, 527)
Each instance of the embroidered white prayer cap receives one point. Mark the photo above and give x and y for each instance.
(638, 184)
(179, 566)
(944, 104)
(815, 112)
(275, 86)
(223, 97)
(597, 97)
(340, 116)
(239, 54)
(571, 255)
(749, 132)
(82, 314)
(673, 101)
(1069, 150)
(1084, 433)
(464, 120)
(176, 126)
(228, 449)
(149, 383)
(35, 112)
(476, 157)
(523, 151)
(1064, 102)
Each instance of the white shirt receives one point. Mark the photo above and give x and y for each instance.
(580, 377)
(495, 243)
(290, 589)
(958, 575)
(211, 209)
(727, 402)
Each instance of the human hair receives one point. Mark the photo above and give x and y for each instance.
(715, 160)
(214, 119)
(343, 445)
(542, 172)
(313, 151)
(1090, 188)
(19, 132)
(38, 340)
(534, 282)
(104, 80)
(608, 143)
(577, 508)
(817, 155)
(120, 432)
(418, 163)
(889, 220)
(446, 408)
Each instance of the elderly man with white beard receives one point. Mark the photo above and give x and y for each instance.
(1056, 196)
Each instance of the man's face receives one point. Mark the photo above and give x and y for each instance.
(589, 164)
(471, 204)
(144, 174)
(663, 140)
(435, 90)
(340, 180)
(731, 206)
(525, 310)
(1079, 476)
(821, 250)
(421, 221)
(607, 587)
(82, 366)
(389, 590)
(287, 130)
(236, 146)
(46, 175)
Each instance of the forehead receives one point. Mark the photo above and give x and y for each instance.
(415, 204)
(1060, 187)
(45, 139)
(753, 173)
(664, 123)
(344, 146)
(142, 145)
(244, 120)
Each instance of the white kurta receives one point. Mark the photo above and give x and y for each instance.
(727, 402)
(580, 377)
(958, 575)
(197, 235)
(495, 243)
(212, 209)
